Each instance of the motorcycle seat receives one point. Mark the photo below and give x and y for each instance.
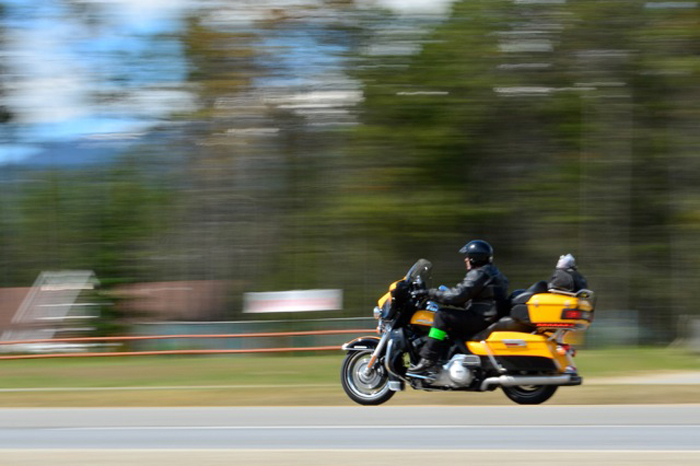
(504, 324)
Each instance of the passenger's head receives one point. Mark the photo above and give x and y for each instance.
(566, 262)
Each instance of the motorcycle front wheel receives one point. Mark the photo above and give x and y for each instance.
(530, 394)
(365, 389)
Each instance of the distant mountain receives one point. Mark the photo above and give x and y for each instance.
(162, 144)
(75, 154)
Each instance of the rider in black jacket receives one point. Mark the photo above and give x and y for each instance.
(475, 303)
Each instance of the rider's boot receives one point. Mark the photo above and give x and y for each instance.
(423, 367)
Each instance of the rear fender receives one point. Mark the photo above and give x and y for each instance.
(361, 344)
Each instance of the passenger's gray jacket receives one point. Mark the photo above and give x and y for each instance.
(567, 280)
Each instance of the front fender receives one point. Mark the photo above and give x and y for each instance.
(361, 344)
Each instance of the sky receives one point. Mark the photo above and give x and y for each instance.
(58, 62)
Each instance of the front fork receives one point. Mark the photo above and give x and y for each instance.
(377, 352)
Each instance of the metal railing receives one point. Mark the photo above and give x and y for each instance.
(89, 340)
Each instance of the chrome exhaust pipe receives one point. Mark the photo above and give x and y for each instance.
(515, 380)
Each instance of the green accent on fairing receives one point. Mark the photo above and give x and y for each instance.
(437, 334)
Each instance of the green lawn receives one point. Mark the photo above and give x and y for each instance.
(626, 361)
(292, 380)
(170, 370)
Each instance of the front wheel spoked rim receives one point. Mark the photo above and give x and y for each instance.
(368, 386)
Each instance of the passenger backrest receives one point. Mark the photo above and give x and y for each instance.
(518, 309)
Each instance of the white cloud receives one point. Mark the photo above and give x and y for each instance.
(155, 102)
(146, 8)
(45, 84)
(51, 83)
(439, 7)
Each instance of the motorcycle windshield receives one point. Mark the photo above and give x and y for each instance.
(420, 273)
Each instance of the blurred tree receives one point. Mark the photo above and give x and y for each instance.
(457, 155)
(257, 176)
(544, 128)
(88, 221)
(213, 215)
(5, 114)
(333, 145)
(665, 196)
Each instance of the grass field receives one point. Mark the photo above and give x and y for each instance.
(297, 380)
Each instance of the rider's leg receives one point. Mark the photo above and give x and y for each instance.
(430, 353)
(458, 323)
(433, 347)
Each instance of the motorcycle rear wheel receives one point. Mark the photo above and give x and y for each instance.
(530, 394)
(372, 389)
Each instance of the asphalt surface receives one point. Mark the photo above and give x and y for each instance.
(664, 378)
(636, 428)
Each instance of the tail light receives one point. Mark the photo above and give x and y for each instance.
(564, 348)
(576, 314)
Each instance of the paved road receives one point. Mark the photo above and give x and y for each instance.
(662, 378)
(657, 428)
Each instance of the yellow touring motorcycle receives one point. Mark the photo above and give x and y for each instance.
(525, 353)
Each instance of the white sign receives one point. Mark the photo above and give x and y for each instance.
(293, 301)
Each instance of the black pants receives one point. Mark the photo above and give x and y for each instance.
(457, 323)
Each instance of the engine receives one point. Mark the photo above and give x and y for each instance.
(458, 372)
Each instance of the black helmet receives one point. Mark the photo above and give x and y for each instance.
(478, 252)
